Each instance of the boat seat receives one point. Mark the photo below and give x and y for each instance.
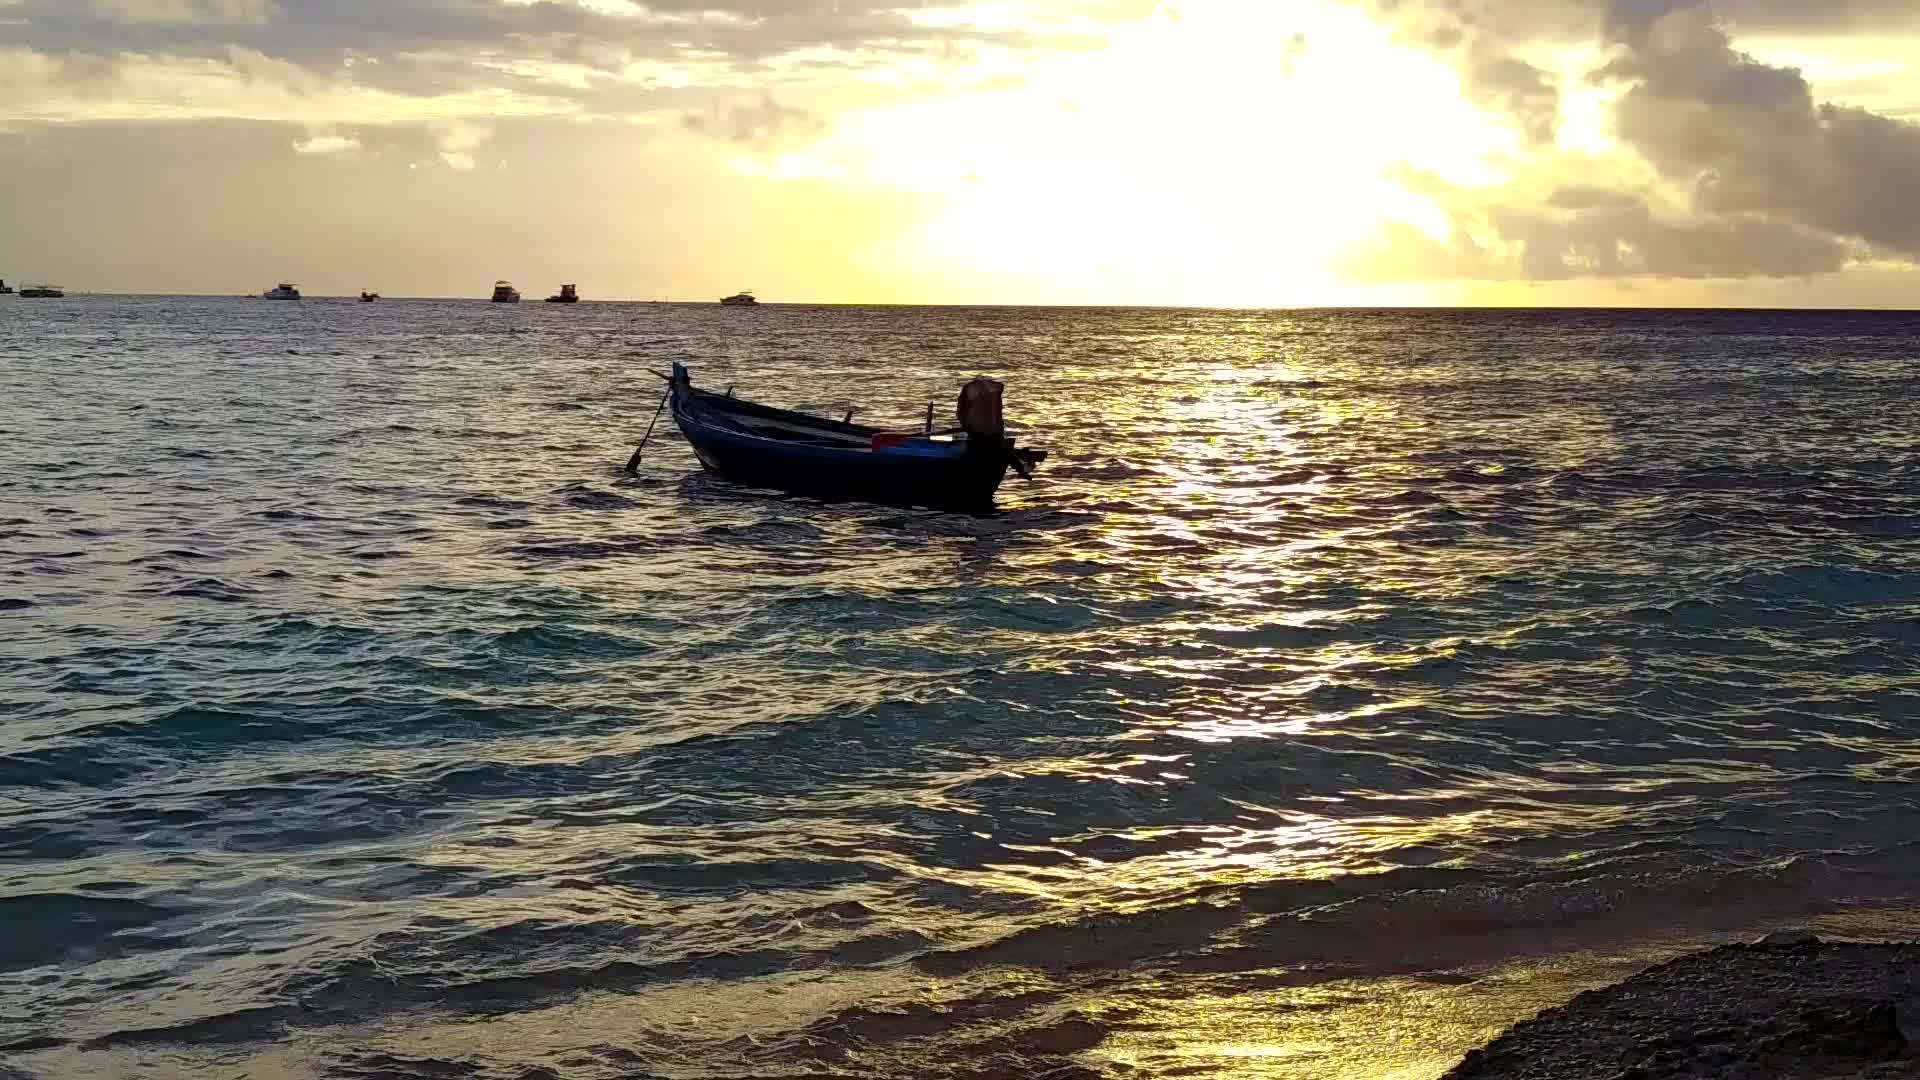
(886, 440)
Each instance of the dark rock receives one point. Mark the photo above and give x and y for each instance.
(1797, 1007)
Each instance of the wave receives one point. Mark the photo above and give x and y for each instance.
(1322, 646)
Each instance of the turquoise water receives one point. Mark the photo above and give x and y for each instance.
(362, 719)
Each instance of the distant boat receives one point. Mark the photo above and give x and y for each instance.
(743, 298)
(282, 291)
(368, 297)
(42, 292)
(569, 294)
(5, 289)
(505, 293)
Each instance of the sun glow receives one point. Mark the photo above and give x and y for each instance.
(1220, 153)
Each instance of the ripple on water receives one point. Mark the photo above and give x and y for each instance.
(376, 700)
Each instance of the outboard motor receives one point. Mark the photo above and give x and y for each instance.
(979, 416)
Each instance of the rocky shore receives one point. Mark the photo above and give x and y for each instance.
(1789, 1006)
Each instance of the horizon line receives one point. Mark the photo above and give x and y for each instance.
(75, 294)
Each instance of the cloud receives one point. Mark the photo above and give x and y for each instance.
(242, 85)
(1821, 16)
(752, 72)
(1749, 137)
(180, 12)
(1600, 234)
(257, 69)
(1745, 173)
(736, 36)
(1482, 36)
(456, 140)
(1443, 24)
(327, 145)
(24, 72)
(1586, 197)
(1524, 92)
(762, 124)
(1628, 240)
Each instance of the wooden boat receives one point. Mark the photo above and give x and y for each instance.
(761, 446)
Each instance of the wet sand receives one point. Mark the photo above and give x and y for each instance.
(1791, 1005)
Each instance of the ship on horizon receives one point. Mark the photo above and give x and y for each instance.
(505, 293)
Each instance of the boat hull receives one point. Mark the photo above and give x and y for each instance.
(943, 477)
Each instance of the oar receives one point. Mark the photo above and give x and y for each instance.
(633, 463)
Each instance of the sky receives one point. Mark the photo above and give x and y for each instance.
(1207, 152)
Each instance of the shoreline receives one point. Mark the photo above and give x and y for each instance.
(1790, 1005)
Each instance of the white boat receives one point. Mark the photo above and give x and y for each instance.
(505, 293)
(282, 291)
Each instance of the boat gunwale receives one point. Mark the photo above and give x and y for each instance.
(688, 405)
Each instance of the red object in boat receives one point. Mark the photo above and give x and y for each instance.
(887, 440)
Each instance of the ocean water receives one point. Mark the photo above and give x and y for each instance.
(1346, 685)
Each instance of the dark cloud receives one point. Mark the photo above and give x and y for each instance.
(761, 124)
(1821, 16)
(322, 34)
(1748, 137)
(1486, 36)
(80, 74)
(1482, 35)
(1584, 197)
(1520, 90)
(1627, 240)
(1599, 233)
(664, 57)
(1771, 181)
(1449, 23)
